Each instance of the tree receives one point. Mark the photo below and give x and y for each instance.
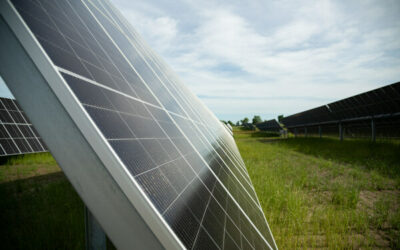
(231, 123)
(257, 119)
(245, 120)
(223, 121)
(238, 123)
(280, 117)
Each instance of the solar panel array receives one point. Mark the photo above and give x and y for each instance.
(17, 135)
(270, 125)
(172, 145)
(249, 126)
(355, 114)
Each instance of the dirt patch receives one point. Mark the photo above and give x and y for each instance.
(382, 241)
(369, 198)
(353, 241)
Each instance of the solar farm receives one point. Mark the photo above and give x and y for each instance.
(104, 147)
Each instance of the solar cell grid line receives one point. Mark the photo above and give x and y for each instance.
(256, 202)
(178, 102)
(236, 197)
(16, 135)
(235, 156)
(152, 54)
(197, 243)
(14, 149)
(87, 71)
(218, 141)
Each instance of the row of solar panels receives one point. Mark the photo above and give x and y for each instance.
(270, 125)
(355, 113)
(17, 135)
(154, 166)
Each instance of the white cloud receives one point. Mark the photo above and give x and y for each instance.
(273, 57)
(161, 31)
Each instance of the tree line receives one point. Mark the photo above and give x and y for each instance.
(256, 119)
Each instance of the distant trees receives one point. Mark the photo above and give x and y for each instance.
(228, 122)
(244, 121)
(257, 119)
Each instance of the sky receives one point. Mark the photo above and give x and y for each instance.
(246, 58)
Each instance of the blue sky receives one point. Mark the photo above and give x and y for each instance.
(272, 57)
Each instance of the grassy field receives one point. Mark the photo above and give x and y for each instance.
(323, 193)
(316, 193)
(38, 207)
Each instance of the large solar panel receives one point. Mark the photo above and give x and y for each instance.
(166, 152)
(17, 135)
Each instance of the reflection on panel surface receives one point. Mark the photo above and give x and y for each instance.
(174, 147)
(17, 135)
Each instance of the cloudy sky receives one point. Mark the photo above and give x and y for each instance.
(272, 57)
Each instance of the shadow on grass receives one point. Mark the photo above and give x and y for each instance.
(264, 134)
(383, 157)
(42, 212)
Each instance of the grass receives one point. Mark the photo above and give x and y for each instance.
(39, 208)
(323, 193)
(316, 193)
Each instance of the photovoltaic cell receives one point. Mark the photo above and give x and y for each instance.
(181, 156)
(17, 135)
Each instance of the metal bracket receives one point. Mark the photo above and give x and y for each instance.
(94, 234)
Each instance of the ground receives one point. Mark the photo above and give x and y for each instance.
(316, 193)
(323, 193)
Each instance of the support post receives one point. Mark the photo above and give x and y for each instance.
(340, 131)
(305, 132)
(94, 234)
(320, 132)
(373, 130)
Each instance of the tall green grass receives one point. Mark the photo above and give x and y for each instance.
(28, 159)
(325, 193)
(383, 156)
(25, 166)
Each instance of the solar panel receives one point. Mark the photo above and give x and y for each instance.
(228, 128)
(270, 125)
(249, 126)
(17, 135)
(165, 153)
(355, 113)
